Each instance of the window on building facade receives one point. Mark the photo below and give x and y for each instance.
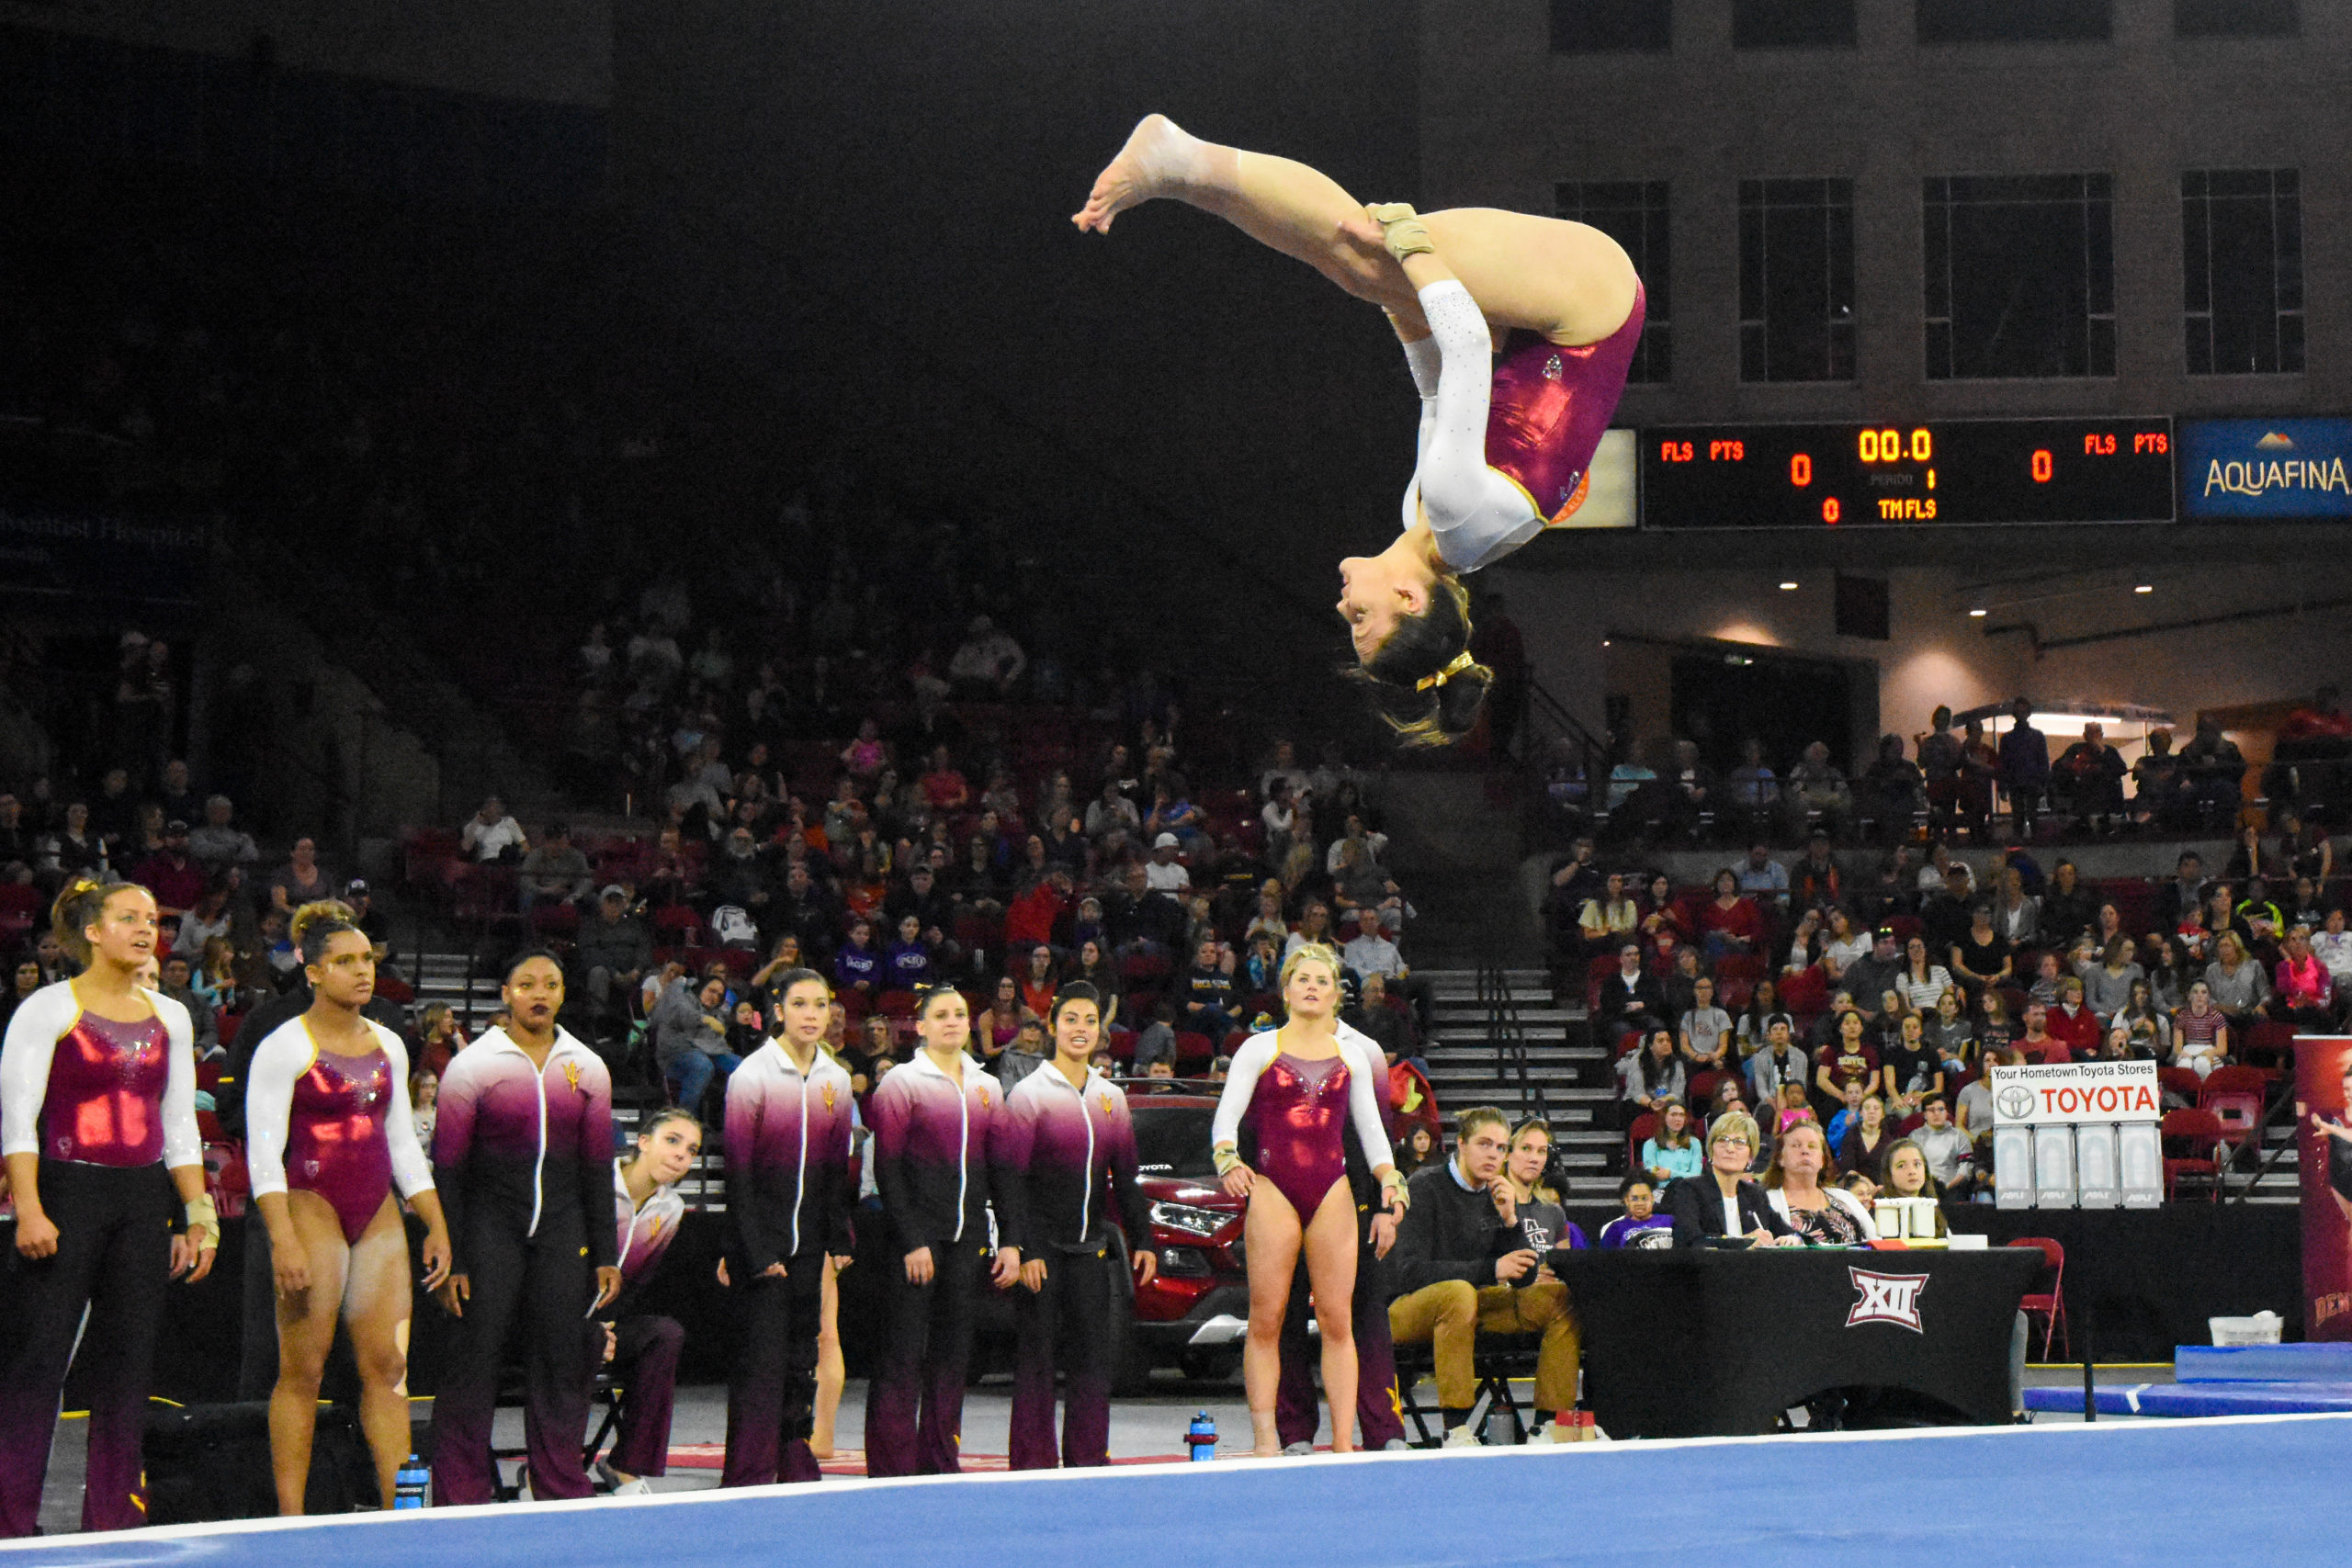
(2014, 21)
(2236, 18)
(1600, 27)
(2242, 269)
(1796, 280)
(1634, 213)
(2020, 275)
(1793, 24)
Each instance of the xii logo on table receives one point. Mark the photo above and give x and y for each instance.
(1887, 1298)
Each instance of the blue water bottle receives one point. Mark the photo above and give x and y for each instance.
(1202, 1436)
(409, 1482)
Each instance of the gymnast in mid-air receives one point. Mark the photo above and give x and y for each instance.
(1518, 330)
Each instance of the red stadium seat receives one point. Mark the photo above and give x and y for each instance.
(1643, 1128)
(2198, 1134)
(2181, 1081)
(1703, 1088)
(1807, 991)
(2049, 1305)
(1194, 1050)
(1122, 1043)
(896, 1004)
(2276, 1041)
(1138, 968)
(2236, 1096)
(555, 920)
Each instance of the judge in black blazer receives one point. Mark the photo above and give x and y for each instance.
(1721, 1200)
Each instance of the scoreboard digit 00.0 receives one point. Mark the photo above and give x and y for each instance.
(1951, 472)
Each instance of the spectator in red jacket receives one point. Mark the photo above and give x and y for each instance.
(1030, 919)
(1730, 923)
(2072, 1022)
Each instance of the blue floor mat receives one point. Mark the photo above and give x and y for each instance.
(2200, 1399)
(2082, 1495)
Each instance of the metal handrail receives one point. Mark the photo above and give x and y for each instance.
(2260, 1137)
(1508, 1032)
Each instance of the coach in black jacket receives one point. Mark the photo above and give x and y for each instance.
(1721, 1200)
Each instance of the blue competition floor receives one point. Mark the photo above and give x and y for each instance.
(2031, 1495)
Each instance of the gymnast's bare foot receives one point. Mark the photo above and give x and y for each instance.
(1159, 159)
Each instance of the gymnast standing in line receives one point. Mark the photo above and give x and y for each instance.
(789, 1109)
(1505, 441)
(1295, 1086)
(98, 1123)
(932, 1121)
(521, 1157)
(642, 1347)
(1063, 1164)
(328, 1139)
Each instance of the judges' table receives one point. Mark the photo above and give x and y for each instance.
(1706, 1343)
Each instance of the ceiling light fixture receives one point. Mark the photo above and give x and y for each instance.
(1788, 588)
(1977, 614)
(2145, 588)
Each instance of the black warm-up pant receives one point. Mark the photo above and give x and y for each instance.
(547, 1283)
(914, 1405)
(1065, 1326)
(114, 1254)
(772, 1392)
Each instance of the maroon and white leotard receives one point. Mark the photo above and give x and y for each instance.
(95, 1090)
(1505, 443)
(1297, 1108)
(335, 1125)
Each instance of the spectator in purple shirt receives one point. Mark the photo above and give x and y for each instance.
(909, 966)
(857, 967)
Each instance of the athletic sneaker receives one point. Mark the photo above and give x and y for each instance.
(1465, 1436)
(1292, 1451)
(1396, 1446)
(619, 1488)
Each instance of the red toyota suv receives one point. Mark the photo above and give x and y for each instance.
(1195, 1312)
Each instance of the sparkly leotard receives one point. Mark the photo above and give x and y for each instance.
(1296, 1108)
(97, 1090)
(105, 1093)
(331, 1125)
(334, 1140)
(1297, 1116)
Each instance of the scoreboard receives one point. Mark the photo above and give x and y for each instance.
(1953, 473)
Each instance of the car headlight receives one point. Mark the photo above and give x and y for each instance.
(1185, 1219)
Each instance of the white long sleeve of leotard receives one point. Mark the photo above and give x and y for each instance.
(285, 1056)
(31, 1046)
(1258, 1052)
(278, 1061)
(1477, 513)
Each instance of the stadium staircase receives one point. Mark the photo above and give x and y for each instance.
(1497, 1038)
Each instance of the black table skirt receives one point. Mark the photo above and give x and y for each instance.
(1704, 1343)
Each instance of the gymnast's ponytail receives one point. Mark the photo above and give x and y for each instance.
(77, 907)
(1423, 681)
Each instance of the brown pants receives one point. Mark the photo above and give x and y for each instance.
(1449, 1317)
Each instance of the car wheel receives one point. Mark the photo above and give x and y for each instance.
(1217, 1365)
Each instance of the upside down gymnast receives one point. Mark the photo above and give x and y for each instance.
(1503, 443)
(1297, 1086)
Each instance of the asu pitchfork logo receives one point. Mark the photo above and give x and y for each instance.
(1887, 1298)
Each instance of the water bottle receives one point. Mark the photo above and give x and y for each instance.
(409, 1482)
(1202, 1436)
